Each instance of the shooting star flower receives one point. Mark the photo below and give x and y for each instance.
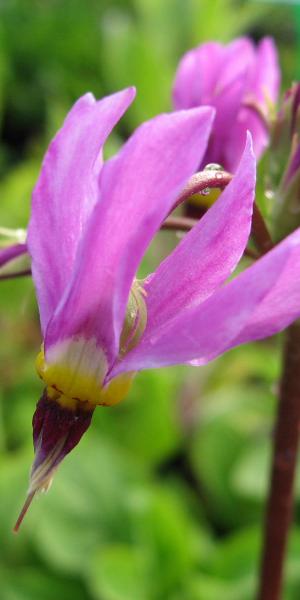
(90, 226)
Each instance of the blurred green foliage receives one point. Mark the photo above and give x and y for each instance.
(164, 498)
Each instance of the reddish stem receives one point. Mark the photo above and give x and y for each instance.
(260, 232)
(200, 182)
(280, 503)
(179, 223)
(220, 179)
(14, 274)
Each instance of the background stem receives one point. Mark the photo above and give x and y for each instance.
(286, 439)
(260, 232)
(14, 274)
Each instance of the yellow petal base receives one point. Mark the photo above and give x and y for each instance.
(72, 387)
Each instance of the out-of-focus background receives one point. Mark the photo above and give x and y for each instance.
(164, 497)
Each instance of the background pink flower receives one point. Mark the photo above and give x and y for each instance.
(241, 81)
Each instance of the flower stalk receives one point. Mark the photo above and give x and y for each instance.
(260, 232)
(14, 274)
(179, 224)
(202, 181)
(286, 441)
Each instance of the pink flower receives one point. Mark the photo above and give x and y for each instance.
(241, 82)
(90, 226)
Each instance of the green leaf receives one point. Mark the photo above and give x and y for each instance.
(144, 423)
(205, 587)
(237, 556)
(15, 192)
(85, 506)
(36, 584)
(230, 419)
(250, 476)
(136, 60)
(169, 537)
(118, 573)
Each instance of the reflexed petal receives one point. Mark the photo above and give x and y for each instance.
(196, 75)
(217, 75)
(238, 58)
(11, 252)
(262, 87)
(209, 71)
(208, 254)
(66, 193)
(220, 145)
(138, 189)
(265, 82)
(226, 77)
(281, 305)
(259, 302)
(247, 120)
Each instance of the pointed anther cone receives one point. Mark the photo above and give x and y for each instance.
(57, 430)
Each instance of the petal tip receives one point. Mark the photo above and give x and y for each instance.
(126, 96)
(249, 142)
(201, 117)
(131, 91)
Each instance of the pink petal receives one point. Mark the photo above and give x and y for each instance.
(259, 302)
(138, 189)
(238, 58)
(66, 193)
(196, 75)
(247, 120)
(209, 71)
(265, 81)
(225, 77)
(262, 87)
(208, 254)
(281, 306)
(216, 75)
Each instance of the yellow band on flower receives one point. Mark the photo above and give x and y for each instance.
(75, 368)
(73, 387)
